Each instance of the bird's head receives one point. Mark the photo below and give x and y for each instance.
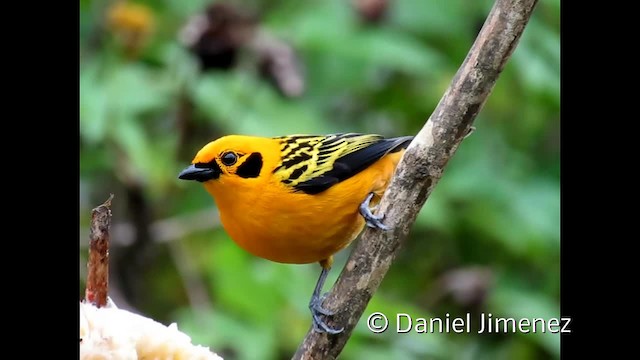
(231, 157)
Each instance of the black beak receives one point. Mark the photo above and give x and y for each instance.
(200, 174)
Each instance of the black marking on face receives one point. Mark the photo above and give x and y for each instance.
(251, 167)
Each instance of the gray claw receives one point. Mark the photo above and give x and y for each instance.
(318, 324)
(372, 221)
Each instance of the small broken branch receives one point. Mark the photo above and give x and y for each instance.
(417, 174)
(98, 264)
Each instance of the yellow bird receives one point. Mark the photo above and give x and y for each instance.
(298, 199)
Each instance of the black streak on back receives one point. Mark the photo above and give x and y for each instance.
(351, 164)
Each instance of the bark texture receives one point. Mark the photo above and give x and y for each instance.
(98, 264)
(418, 173)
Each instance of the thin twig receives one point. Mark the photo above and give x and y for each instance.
(98, 264)
(418, 173)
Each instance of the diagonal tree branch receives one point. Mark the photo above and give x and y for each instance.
(418, 173)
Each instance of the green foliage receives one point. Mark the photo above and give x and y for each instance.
(497, 207)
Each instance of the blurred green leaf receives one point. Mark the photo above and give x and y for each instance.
(93, 105)
(510, 300)
(226, 332)
(144, 115)
(242, 105)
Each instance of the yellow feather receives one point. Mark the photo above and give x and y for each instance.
(270, 215)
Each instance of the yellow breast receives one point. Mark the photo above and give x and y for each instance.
(270, 220)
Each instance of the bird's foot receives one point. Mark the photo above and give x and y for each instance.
(372, 221)
(315, 305)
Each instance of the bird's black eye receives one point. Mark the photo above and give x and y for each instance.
(229, 158)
